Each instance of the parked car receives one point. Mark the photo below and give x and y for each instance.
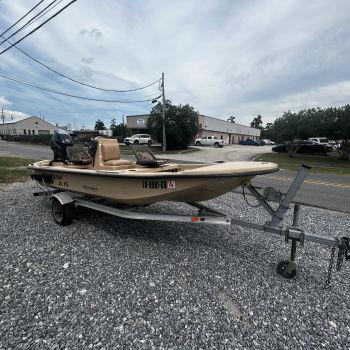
(261, 142)
(210, 141)
(268, 142)
(249, 142)
(320, 140)
(304, 146)
(138, 139)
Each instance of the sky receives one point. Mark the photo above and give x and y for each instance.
(225, 58)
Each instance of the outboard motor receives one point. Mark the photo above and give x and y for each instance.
(59, 143)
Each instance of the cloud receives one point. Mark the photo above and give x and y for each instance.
(4, 102)
(94, 32)
(225, 58)
(88, 60)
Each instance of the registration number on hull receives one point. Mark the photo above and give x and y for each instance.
(163, 185)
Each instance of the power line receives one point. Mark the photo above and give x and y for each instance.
(32, 9)
(70, 95)
(38, 27)
(65, 76)
(28, 22)
(50, 9)
(77, 81)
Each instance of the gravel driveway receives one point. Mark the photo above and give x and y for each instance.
(110, 283)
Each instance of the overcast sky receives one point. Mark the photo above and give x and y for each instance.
(239, 58)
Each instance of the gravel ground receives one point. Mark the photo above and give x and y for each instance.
(110, 283)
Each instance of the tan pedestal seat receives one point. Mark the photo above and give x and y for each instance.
(116, 162)
(108, 154)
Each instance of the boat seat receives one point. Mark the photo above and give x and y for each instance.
(111, 153)
(78, 155)
(145, 157)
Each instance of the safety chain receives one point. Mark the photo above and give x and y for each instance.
(246, 200)
(330, 268)
(343, 252)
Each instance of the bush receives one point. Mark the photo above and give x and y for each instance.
(35, 139)
(181, 125)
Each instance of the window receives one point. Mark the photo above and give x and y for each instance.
(215, 138)
(204, 138)
(28, 131)
(33, 132)
(24, 132)
(209, 137)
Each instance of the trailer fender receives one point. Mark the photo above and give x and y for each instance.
(63, 197)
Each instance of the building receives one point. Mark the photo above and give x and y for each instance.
(209, 126)
(26, 126)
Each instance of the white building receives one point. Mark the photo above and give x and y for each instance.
(26, 126)
(209, 126)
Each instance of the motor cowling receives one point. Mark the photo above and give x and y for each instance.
(59, 143)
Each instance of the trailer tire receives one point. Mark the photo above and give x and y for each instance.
(216, 144)
(287, 269)
(62, 214)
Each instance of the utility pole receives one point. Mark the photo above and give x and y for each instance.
(163, 113)
(2, 116)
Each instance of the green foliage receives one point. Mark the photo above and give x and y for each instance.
(256, 122)
(100, 125)
(333, 123)
(181, 125)
(119, 130)
(36, 139)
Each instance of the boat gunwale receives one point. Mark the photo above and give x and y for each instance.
(135, 175)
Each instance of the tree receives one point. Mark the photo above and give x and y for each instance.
(181, 125)
(100, 125)
(256, 122)
(120, 130)
(333, 123)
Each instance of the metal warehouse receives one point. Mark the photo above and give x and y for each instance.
(26, 126)
(209, 126)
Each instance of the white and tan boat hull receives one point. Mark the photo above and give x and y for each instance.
(192, 184)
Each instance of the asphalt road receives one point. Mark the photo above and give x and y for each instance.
(110, 283)
(321, 190)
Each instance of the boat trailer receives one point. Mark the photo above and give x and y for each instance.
(64, 202)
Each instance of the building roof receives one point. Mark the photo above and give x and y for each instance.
(19, 118)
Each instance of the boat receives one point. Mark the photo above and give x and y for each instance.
(75, 174)
(101, 172)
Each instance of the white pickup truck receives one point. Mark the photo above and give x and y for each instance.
(210, 141)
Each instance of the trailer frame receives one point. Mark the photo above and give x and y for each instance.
(63, 202)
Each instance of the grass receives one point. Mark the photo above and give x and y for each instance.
(319, 163)
(13, 169)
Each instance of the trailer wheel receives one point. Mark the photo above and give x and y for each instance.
(62, 214)
(216, 144)
(287, 269)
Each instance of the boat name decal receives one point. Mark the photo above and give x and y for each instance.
(90, 188)
(158, 184)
